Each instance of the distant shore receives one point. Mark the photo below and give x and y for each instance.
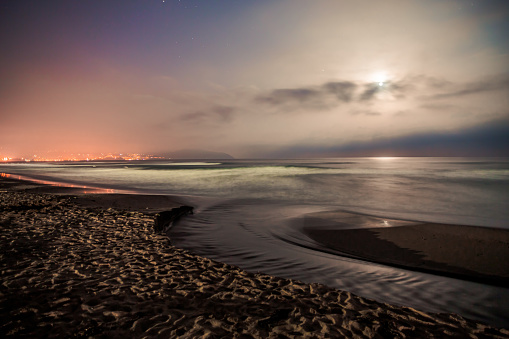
(91, 266)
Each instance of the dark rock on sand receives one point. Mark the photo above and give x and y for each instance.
(165, 220)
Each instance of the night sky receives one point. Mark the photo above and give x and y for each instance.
(255, 78)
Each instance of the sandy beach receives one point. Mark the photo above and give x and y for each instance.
(92, 266)
(467, 252)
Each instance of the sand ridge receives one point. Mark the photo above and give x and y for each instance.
(70, 271)
(468, 252)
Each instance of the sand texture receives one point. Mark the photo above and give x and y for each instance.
(71, 271)
(474, 253)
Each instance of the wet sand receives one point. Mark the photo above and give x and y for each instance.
(468, 252)
(77, 267)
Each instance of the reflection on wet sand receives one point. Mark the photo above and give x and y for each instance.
(51, 185)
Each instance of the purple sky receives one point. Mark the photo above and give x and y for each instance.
(262, 78)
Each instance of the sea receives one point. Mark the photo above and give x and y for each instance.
(250, 213)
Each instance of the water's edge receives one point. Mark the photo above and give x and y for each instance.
(258, 232)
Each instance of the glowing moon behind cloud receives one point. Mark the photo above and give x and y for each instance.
(380, 77)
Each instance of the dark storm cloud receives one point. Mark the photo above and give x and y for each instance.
(487, 140)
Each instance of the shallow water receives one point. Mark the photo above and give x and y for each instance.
(456, 190)
(249, 213)
(261, 237)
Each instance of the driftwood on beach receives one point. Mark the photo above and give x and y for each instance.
(69, 271)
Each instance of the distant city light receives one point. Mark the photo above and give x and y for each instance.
(82, 157)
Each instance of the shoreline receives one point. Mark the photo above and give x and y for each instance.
(465, 252)
(68, 268)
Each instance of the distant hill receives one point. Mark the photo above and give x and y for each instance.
(196, 154)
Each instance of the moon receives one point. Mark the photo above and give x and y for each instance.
(380, 77)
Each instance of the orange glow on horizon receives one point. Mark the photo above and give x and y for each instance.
(82, 157)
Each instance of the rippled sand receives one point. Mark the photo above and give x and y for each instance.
(74, 271)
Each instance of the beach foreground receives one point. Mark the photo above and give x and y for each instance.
(75, 267)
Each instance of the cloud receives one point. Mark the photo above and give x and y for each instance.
(343, 90)
(300, 95)
(408, 85)
(325, 96)
(218, 113)
(195, 116)
(365, 112)
(224, 112)
(495, 83)
(369, 92)
(491, 139)
(333, 93)
(414, 86)
(436, 106)
(295, 98)
(275, 74)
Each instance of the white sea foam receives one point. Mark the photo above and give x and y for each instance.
(463, 191)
